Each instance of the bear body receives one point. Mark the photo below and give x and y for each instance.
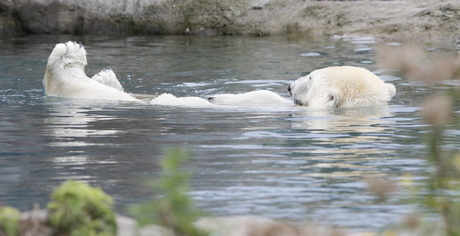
(167, 99)
(341, 86)
(65, 76)
(254, 97)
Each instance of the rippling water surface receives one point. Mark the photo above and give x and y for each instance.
(290, 162)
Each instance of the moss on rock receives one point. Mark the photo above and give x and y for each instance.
(79, 209)
(9, 220)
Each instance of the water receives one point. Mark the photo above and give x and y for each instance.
(289, 163)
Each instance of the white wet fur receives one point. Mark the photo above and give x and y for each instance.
(341, 86)
(107, 77)
(65, 76)
(254, 97)
(167, 99)
(330, 87)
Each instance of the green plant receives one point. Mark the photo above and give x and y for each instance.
(172, 208)
(79, 209)
(9, 220)
(444, 182)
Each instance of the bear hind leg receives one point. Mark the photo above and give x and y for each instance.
(107, 77)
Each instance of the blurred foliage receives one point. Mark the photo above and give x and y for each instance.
(79, 209)
(444, 182)
(172, 208)
(440, 192)
(9, 220)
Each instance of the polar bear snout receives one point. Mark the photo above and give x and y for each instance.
(297, 96)
(298, 102)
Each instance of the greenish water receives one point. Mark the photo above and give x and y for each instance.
(289, 163)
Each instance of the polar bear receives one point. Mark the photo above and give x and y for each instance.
(65, 76)
(167, 99)
(341, 86)
(254, 97)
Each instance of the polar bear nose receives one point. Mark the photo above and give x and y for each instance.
(297, 102)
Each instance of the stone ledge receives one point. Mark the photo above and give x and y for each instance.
(419, 21)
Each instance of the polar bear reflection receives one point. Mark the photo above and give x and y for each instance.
(68, 124)
(345, 142)
(346, 130)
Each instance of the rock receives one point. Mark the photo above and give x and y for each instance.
(33, 223)
(246, 226)
(387, 20)
(155, 230)
(242, 226)
(126, 226)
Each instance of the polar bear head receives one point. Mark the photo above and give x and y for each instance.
(340, 86)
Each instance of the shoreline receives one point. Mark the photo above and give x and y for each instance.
(397, 21)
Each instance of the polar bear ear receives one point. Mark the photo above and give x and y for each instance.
(334, 99)
(391, 90)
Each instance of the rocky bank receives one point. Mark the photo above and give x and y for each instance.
(400, 20)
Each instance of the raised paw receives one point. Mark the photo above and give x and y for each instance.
(107, 77)
(68, 55)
